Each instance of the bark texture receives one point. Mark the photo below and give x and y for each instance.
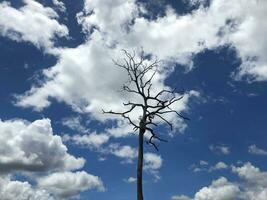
(140, 165)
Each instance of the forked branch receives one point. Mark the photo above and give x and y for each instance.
(141, 73)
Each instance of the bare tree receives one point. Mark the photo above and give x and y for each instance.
(153, 106)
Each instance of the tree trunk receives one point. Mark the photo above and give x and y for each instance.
(140, 166)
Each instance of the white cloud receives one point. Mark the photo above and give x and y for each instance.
(180, 197)
(220, 189)
(125, 152)
(111, 18)
(130, 180)
(81, 82)
(219, 166)
(152, 161)
(251, 186)
(253, 149)
(201, 166)
(220, 149)
(255, 182)
(74, 123)
(152, 164)
(85, 87)
(33, 147)
(196, 2)
(251, 174)
(204, 166)
(121, 23)
(122, 129)
(60, 5)
(222, 23)
(30, 147)
(91, 140)
(245, 39)
(31, 23)
(203, 162)
(69, 184)
(10, 190)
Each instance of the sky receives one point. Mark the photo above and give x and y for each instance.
(57, 74)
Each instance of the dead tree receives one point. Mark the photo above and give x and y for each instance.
(153, 106)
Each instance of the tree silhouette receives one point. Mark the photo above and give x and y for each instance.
(154, 106)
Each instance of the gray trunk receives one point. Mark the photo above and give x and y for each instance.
(140, 166)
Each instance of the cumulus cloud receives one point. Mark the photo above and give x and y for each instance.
(220, 149)
(91, 140)
(219, 166)
(152, 161)
(221, 23)
(130, 180)
(122, 24)
(69, 184)
(10, 190)
(180, 197)
(152, 164)
(251, 185)
(81, 82)
(220, 189)
(121, 129)
(253, 149)
(33, 147)
(204, 166)
(31, 23)
(127, 153)
(59, 5)
(255, 182)
(203, 162)
(110, 18)
(74, 123)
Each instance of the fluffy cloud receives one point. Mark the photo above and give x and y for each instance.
(253, 149)
(219, 166)
(92, 140)
(152, 161)
(180, 197)
(69, 184)
(220, 149)
(251, 186)
(204, 166)
(10, 190)
(125, 152)
(222, 23)
(81, 82)
(33, 147)
(130, 180)
(31, 23)
(60, 5)
(74, 123)
(121, 129)
(87, 89)
(152, 164)
(220, 189)
(203, 163)
(255, 182)
(110, 18)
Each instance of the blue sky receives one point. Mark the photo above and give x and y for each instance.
(56, 74)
